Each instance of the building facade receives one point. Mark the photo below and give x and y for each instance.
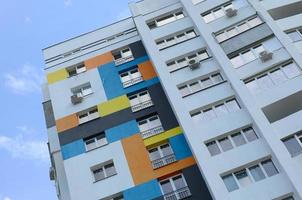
(186, 99)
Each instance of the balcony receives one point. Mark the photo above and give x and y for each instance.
(163, 161)
(181, 193)
(124, 60)
(151, 132)
(141, 105)
(132, 81)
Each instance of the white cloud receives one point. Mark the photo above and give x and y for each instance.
(25, 80)
(7, 198)
(24, 148)
(67, 3)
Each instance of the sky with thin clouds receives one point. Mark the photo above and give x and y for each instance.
(26, 28)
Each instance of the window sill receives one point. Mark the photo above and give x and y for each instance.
(87, 151)
(178, 43)
(104, 178)
(224, 81)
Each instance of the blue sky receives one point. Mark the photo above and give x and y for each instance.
(26, 28)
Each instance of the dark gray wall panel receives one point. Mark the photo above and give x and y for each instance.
(286, 11)
(161, 106)
(246, 39)
(48, 114)
(138, 49)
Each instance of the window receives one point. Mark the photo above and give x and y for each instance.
(184, 62)
(175, 188)
(140, 101)
(201, 84)
(246, 56)
(166, 19)
(288, 198)
(114, 197)
(103, 171)
(273, 77)
(82, 90)
(294, 144)
(197, 1)
(238, 28)
(247, 176)
(216, 13)
(150, 126)
(122, 55)
(176, 39)
(161, 155)
(295, 35)
(95, 141)
(216, 110)
(231, 141)
(131, 77)
(88, 115)
(75, 70)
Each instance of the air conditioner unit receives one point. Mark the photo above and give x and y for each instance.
(52, 173)
(75, 99)
(231, 12)
(193, 64)
(265, 56)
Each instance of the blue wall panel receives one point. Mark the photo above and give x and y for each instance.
(145, 191)
(180, 147)
(122, 131)
(73, 149)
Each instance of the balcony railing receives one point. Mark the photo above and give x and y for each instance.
(178, 194)
(153, 131)
(163, 161)
(142, 105)
(124, 60)
(132, 81)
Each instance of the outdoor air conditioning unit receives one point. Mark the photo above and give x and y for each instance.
(52, 173)
(265, 56)
(193, 64)
(231, 12)
(75, 99)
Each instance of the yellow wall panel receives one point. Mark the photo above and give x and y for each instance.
(57, 76)
(113, 105)
(149, 142)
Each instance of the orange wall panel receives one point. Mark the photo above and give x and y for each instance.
(147, 70)
(140, 164)
(138, 159)
(98, 60)
(67, 122)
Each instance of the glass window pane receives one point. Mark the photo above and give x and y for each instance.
(225, 144)
(208, 17)
(179, 182)
(238, 139)
(257, 173)
(230, 183)
(237, 61)
(243, 178)
(232, 32)
(248, 56)
(232, 105)
(191, 34)
(265, 82)
(195, 86)
(295, 36)
(221, 37)
(221, 110)
(154, 154)
(166, 186)
(278, 76)
(253, 86)
(166, 150)
(250, 134)
(208, 114)
(259, 49)
(269, 168)
(202, 55)
(110, 169)
(255, 21)
(99, 174)
(293, 146)
(218, 13)
(291, 70)
(206, 82)
(217, 78)
(184, 91)
(243, 27)
(213, 148)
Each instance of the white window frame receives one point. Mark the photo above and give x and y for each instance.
(222, 8)
(152, 130)
(164, 43)
(268, 73)
(97, 142)
(124, 58)
(133, 79)
(199, 56)
(238, 30)
(176, 15)
(163, 159)
(200, 81)
(200, 113)
(170, 179)
(91, 114)
(142, 104)
(297, 31)
(103, 168)
(297, 137)
(78, 69)
(83, 90)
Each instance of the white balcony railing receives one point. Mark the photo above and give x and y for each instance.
(141, 105)
(178, 194)
(151, 132)
(163, 161)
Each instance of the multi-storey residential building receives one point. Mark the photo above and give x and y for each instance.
(186, 99)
